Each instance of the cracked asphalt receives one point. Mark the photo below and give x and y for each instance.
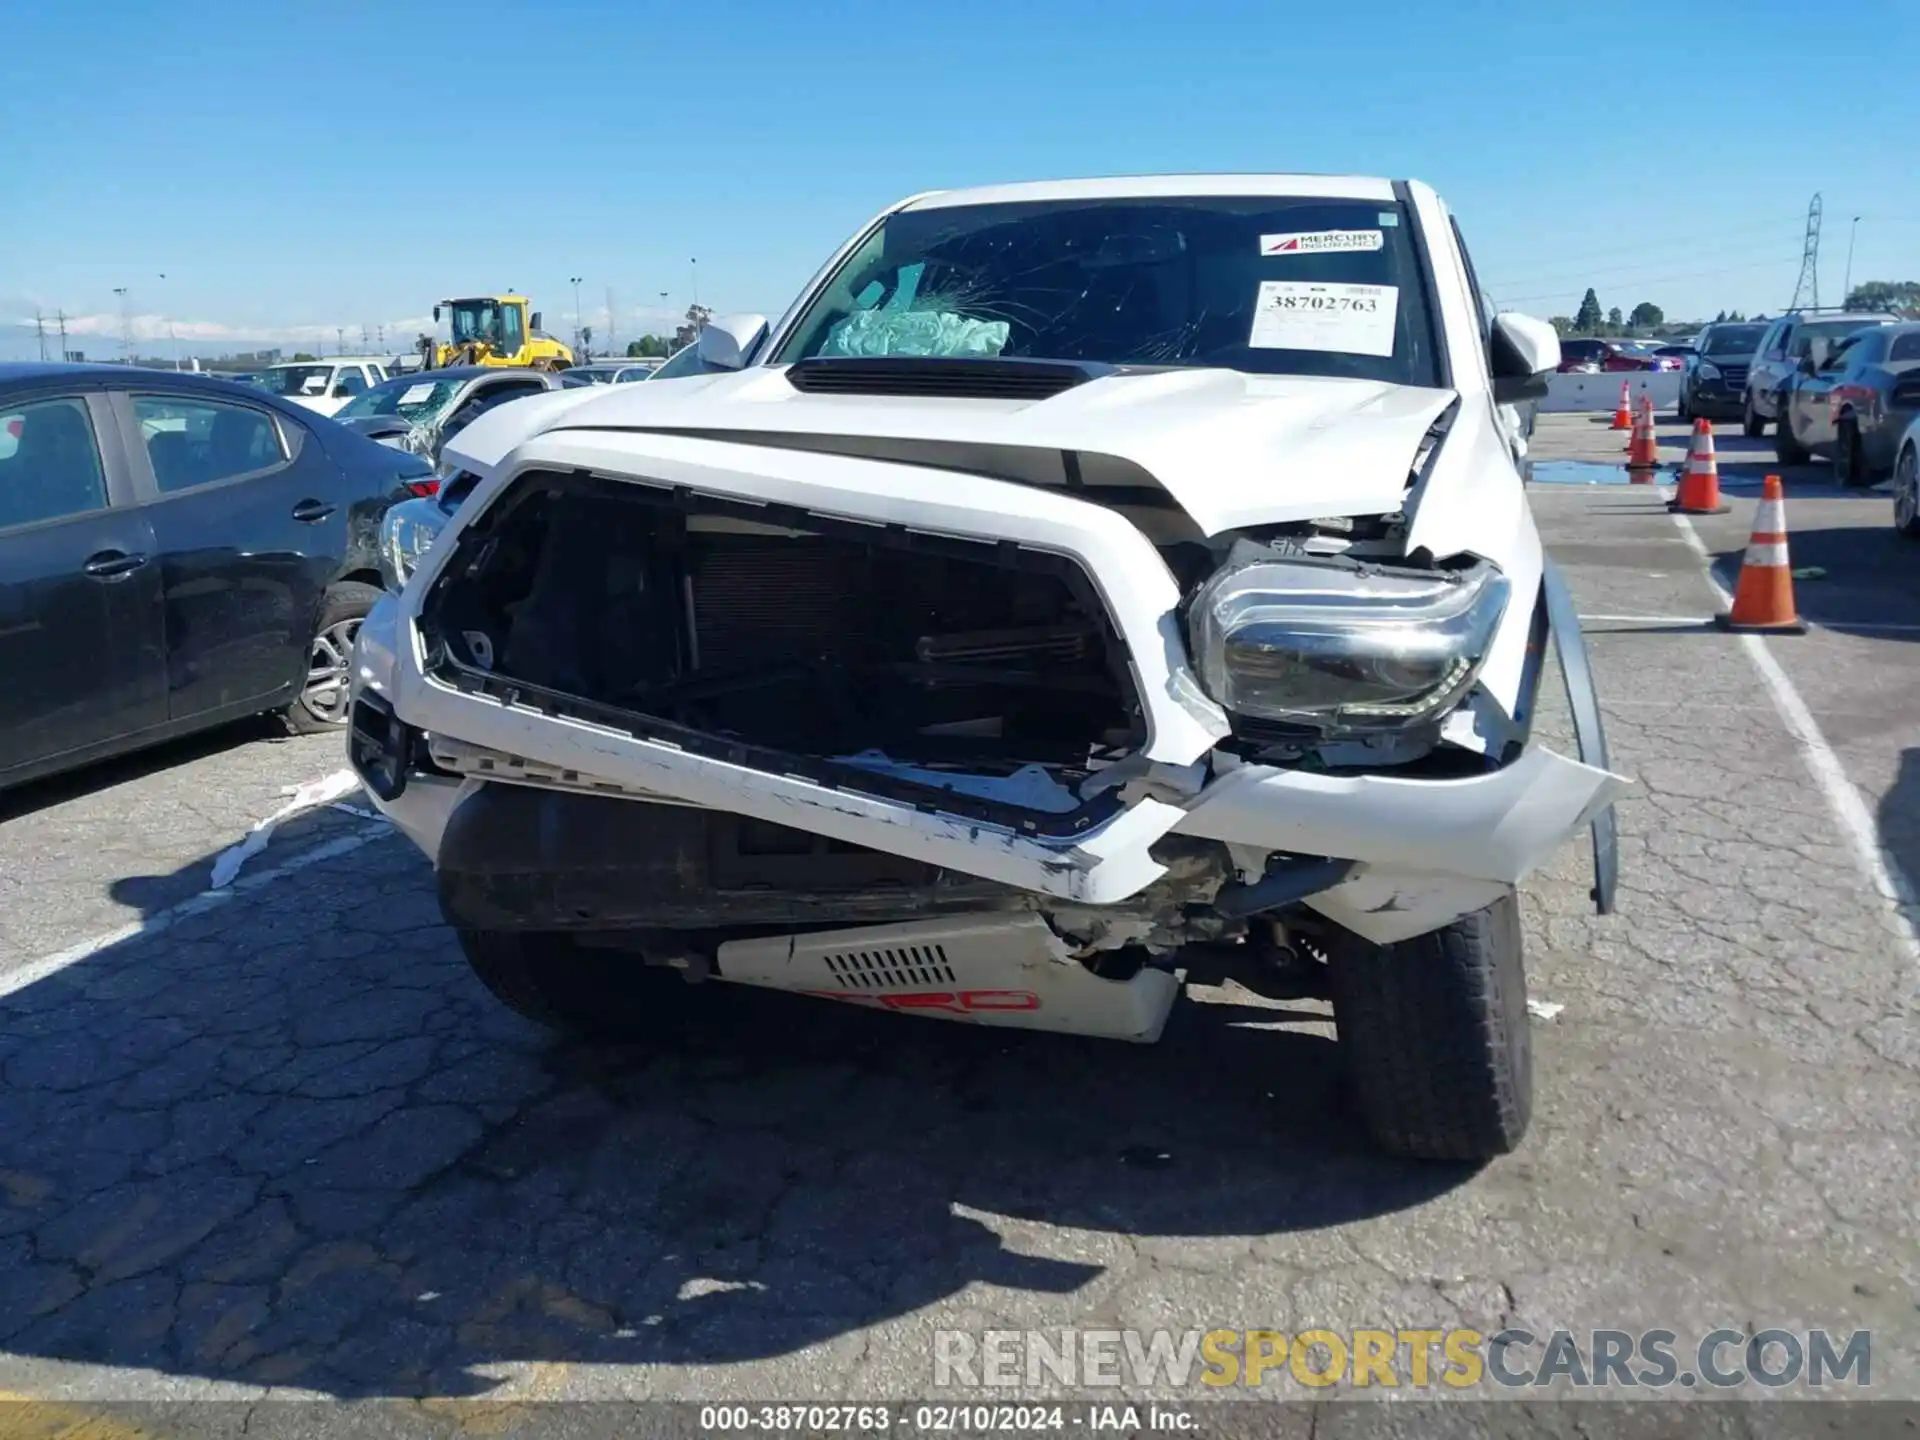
(287, 1146)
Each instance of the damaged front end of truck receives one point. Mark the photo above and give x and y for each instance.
(999, 732)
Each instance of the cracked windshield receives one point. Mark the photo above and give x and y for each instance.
(1086, 718)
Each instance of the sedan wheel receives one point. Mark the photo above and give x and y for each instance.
(1751, 425)
(1906, 493)
(325, 694)
(323, 700)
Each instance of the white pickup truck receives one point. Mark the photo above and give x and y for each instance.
(1084, 588)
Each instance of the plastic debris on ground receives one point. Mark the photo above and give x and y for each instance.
(310, 796)
(1810, 572)
(1544, 1009)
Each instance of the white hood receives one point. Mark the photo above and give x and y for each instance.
(1233, 450)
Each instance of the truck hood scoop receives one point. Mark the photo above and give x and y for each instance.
(935, 378)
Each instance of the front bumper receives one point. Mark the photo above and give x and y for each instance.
(1715, 398)
(1456, 839)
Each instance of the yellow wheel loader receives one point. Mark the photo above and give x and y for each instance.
(495, 330)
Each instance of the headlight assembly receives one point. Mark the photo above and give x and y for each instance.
(405, 535)
(1343, 650)
(1707, 370)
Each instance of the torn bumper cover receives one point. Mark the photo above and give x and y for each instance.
(1484, 832)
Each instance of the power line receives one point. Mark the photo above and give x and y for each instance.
(1782, 261)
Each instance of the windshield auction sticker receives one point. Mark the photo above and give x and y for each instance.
(1345, 319)
(416, 395)
(1320, 242)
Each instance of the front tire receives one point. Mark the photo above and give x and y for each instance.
(1906, 493)
(554, 981)
(1849, 460)
(1435, 1036)
(1751, 425)
(1786, 449)
(1680, 411)
(321, 706)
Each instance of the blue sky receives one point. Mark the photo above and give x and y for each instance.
(291, 169)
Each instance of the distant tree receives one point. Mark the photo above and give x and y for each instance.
(1900, 295)
(646, 347)
(300, 355)
(1562, 323)
(1720, 318)
(1587, 318)
(1735, 315)
(1647, 314)
(586, 339)
(1614, 319)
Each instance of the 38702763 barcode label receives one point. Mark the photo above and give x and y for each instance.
(1307, 315)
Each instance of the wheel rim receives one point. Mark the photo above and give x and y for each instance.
(1906, 491)
(324, 696)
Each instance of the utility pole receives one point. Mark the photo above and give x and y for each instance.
(339, 339)
(126, 327)
(1846, 283)
(694, 266)
(612, 347)
(666, 339)
(575, 282)
(1807, 287)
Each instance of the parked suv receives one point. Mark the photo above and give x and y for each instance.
(1789, 340)
(1715, 384)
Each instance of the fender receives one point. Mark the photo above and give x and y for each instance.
(1590, 736)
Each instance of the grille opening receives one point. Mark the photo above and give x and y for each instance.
(788, 632)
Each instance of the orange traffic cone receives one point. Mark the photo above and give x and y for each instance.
(1700, 483)
(1763, 596)
(1623, 413)
(1643, 449)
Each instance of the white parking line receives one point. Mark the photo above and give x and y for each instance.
(1850, 812)
(21, 976)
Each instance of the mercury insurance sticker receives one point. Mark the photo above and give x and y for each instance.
(1345, 319)
(1321, 242)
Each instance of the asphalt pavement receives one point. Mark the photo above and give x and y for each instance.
(279, 1143)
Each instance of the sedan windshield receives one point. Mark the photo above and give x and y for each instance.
(295, 379)
(1271, 285)
(1735, 340)
(410, 399)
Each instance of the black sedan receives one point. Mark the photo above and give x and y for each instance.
(176, 552)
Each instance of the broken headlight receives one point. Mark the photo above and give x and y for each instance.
(1335, 648)
(406, 532)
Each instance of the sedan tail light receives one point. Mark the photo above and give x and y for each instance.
(423, 488)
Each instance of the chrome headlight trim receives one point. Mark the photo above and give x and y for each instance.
(1340, 648)
(407, 531)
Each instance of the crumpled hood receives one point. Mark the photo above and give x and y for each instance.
(1232, 449)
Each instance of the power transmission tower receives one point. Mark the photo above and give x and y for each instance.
(40, 333)
(61, 316)
(365, 339)
(126, 327)
(1807, 287)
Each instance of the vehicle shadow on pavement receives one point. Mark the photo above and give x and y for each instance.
(105, 774)
(1847, 576)
(1899, 817)
(288, 1139)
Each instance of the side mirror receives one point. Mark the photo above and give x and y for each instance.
(436, 314)
(727, 343)
(533, 321)
(1522, 353)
